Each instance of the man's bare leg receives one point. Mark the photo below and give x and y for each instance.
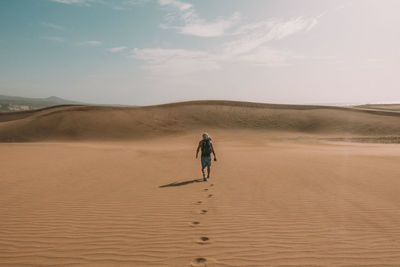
(204, 175)
(208, 171)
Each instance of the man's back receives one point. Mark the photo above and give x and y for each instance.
(206, 148)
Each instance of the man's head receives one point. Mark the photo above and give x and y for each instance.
(205, 136)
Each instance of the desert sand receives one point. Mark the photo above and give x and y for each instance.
(107, 186)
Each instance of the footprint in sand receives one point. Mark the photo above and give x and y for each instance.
(210, 195)
(211, 184)
(203, 211)
(195, 223)
(200, 260)
(203, 240)
(206, 189)
(198, 202)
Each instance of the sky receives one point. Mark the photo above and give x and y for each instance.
(143, 52)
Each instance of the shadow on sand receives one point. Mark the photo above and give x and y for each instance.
(181, 183)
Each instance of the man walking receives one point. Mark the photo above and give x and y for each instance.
(206, 149)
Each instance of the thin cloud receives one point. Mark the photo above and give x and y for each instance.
(175, 61)
(52, 26)
(182, 61)
(56, 39)
(250, 46)
(216, 28)
(255, 35)
(90, 43)
(182, 6)
(279, 29)
(117, 49)
(136, 2)
(114, 4)
(185, 13)
(192, 23)
(125, 5)
(70, 2)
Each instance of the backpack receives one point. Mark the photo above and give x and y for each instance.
(206, 148)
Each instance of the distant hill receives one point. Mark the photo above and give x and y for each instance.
(82, 122)
(16, 103)
(387, 107)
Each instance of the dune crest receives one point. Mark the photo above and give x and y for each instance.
(114, 123)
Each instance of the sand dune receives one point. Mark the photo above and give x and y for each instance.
(141, 203)
(130, 123)
(386, 107)
(280, 194)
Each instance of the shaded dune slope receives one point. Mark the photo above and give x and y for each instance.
(113, 123)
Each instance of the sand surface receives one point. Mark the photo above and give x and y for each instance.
(106, 123)
(139, 203)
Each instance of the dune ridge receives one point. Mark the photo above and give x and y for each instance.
(80, 122)
(276, 196)
(71, 122)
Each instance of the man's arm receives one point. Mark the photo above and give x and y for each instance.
(215, 157)
(198, 148)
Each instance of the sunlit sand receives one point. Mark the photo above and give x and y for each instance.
(122, 187)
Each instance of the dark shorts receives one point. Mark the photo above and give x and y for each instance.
(205, 161)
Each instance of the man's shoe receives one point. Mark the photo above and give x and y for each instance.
(204, 177)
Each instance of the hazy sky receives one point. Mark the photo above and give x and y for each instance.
(156, 51)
